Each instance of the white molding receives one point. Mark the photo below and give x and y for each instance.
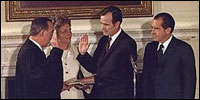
(11, 44)
(137, 34)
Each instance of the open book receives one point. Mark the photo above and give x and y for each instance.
(74, 81)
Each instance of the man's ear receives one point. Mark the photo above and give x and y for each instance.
(168, 30)
(117, 24)
(42, 33)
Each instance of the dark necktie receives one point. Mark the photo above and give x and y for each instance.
(108, 44)
(80, 74)
(160, 52)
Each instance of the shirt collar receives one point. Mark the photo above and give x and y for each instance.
(36, 44)
(114, 37)
(165, 44)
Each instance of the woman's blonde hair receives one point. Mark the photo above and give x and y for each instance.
(60, 20)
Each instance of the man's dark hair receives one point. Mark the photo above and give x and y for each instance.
(39, 24)
(168, 20)
(116, 13)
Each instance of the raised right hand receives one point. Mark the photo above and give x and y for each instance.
(56, 42)
(83, 44)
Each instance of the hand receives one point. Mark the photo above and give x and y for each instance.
(56, 42)
(83, 44)
(81, 87)
(66, 86)
(87, 80)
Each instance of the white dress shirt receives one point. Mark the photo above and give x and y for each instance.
(114, 37)
(165, 44)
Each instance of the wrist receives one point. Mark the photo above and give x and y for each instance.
(82, 53)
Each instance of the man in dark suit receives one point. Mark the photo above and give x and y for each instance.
(169, 65)
(38, 77)
(111, 61)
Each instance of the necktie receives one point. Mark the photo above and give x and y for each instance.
(160, 52)
(80, 74)
(108, 44)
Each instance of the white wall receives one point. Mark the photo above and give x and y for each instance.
(186, 13)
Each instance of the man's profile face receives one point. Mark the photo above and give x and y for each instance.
(107, 26)
(48, 33)
(159, 34)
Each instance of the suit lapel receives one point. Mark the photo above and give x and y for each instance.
(169, 52)
(105, 55)
(102, 55)
(114, 45)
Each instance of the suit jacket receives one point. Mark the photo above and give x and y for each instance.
(38, 77)
(114, 72)
(174, 77)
